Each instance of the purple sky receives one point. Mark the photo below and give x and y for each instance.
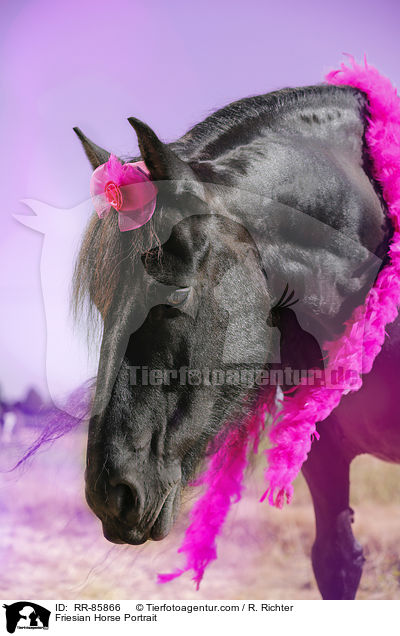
(93, 64)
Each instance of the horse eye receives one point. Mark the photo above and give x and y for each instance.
(179, 296)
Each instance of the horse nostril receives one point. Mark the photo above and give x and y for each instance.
(123, 501)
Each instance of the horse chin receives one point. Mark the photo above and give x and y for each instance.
(127, 536)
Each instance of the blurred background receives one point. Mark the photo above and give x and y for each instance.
(92, 64)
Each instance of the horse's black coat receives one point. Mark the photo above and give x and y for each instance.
(269, 192)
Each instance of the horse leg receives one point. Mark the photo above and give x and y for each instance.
(337, 558)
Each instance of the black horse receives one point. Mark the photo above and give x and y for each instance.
(269, 196)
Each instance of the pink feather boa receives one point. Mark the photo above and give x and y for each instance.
(294, 425)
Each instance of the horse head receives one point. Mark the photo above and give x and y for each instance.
(183, 301)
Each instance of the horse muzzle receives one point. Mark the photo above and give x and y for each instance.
(132, 525)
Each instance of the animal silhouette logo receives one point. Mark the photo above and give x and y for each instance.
(283, 337)
(26, 615)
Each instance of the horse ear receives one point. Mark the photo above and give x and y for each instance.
(160, 160)
(96, 155)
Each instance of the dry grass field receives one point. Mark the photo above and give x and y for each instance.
(52, 546)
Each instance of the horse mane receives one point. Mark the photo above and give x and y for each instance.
(222, 129)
